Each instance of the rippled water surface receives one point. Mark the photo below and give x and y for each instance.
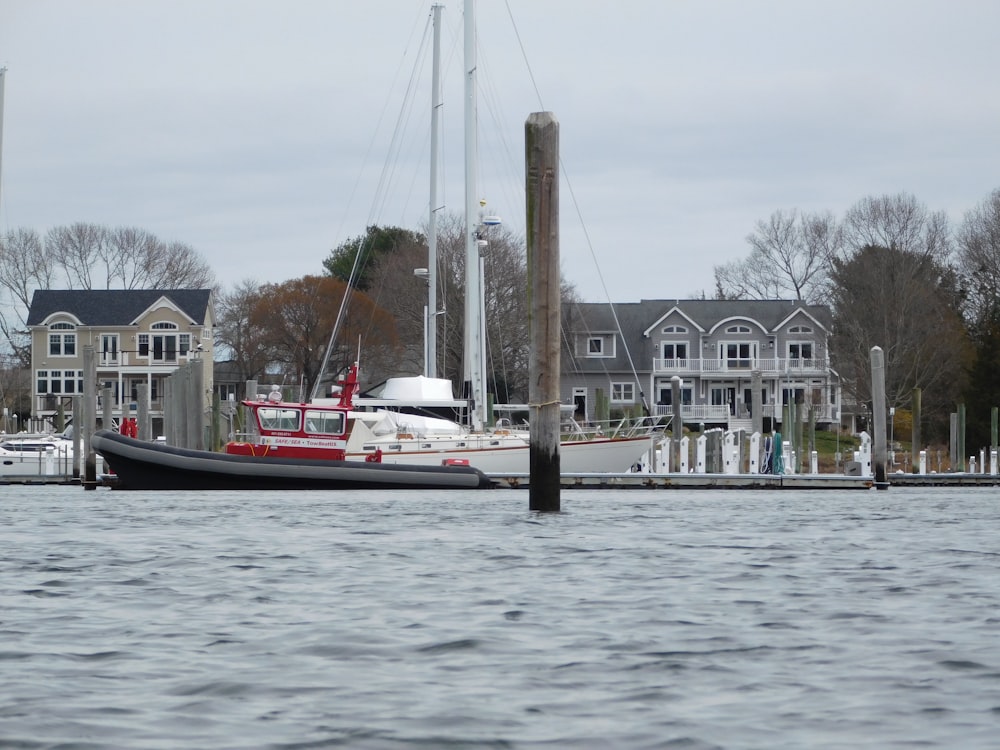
(633, 619)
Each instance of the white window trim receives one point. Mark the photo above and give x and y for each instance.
(623, 386)
(607, 347)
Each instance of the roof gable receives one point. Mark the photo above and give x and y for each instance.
(117, 307)
(675, 310)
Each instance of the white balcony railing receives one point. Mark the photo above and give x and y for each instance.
(766, 365)
(123, 359)
(722, 413)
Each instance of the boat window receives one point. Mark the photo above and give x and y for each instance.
(325, 422)
(279, 419)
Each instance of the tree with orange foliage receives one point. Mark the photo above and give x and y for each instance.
(297, 317)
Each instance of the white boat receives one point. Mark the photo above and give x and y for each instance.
(27, 454)
(390, 431)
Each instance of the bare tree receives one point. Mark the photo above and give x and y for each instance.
(789, 257)
(979, 258)
(77, 250)
(182, 267)
(246, 342)
(899, 222)
(24, 267)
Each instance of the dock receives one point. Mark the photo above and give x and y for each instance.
(38, 479)
(630, 481)
(637, 481)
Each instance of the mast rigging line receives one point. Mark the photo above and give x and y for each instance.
(579, 215)
(381, 192)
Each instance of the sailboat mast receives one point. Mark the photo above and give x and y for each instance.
(475, 379)
(430, 355)
(3, 72)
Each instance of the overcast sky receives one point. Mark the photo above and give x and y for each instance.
(260, 133)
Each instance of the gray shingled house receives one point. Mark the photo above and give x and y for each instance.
(631, 350)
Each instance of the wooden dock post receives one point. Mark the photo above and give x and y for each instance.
(676, 421)
(915, 440)
(879, 437)
(89, 416)
(541, 150)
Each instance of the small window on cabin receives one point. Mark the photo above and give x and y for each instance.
(324, 422)
(286, 420)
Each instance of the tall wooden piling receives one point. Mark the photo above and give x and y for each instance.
(993, 427)
(89, 411)
(915, 439)
(879, 437)
(961, 437)
(677, 421)
(144, 426)
(541, 147)
(77, 435)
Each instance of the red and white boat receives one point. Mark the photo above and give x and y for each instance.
(295, 446)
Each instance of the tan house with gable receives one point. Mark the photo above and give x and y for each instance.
(140, 336)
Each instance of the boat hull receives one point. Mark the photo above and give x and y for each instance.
(142, 465)
(512, 456)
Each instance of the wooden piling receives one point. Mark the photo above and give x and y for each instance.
(677, 422)
(89, 416)
(879, 436)
(77, 436)
(915, 440)
(144, 427)
(541, 141)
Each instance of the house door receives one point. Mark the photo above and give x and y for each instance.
(109, 349)
(580, 401)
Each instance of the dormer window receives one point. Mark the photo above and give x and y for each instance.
(62, 340)
(600, 346)
(674, 329)
(738, 329)
(800, 329)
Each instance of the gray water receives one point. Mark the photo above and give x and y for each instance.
(633, 619)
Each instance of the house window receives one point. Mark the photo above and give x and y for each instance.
(674, 329)
(799, 350)
(738, 329)
(738, 355)
(675, 351)
(61, 382)
(62, 344)
(666, 395)
(164, 347)
(623, 393)
(600, 346)
(800, 329)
